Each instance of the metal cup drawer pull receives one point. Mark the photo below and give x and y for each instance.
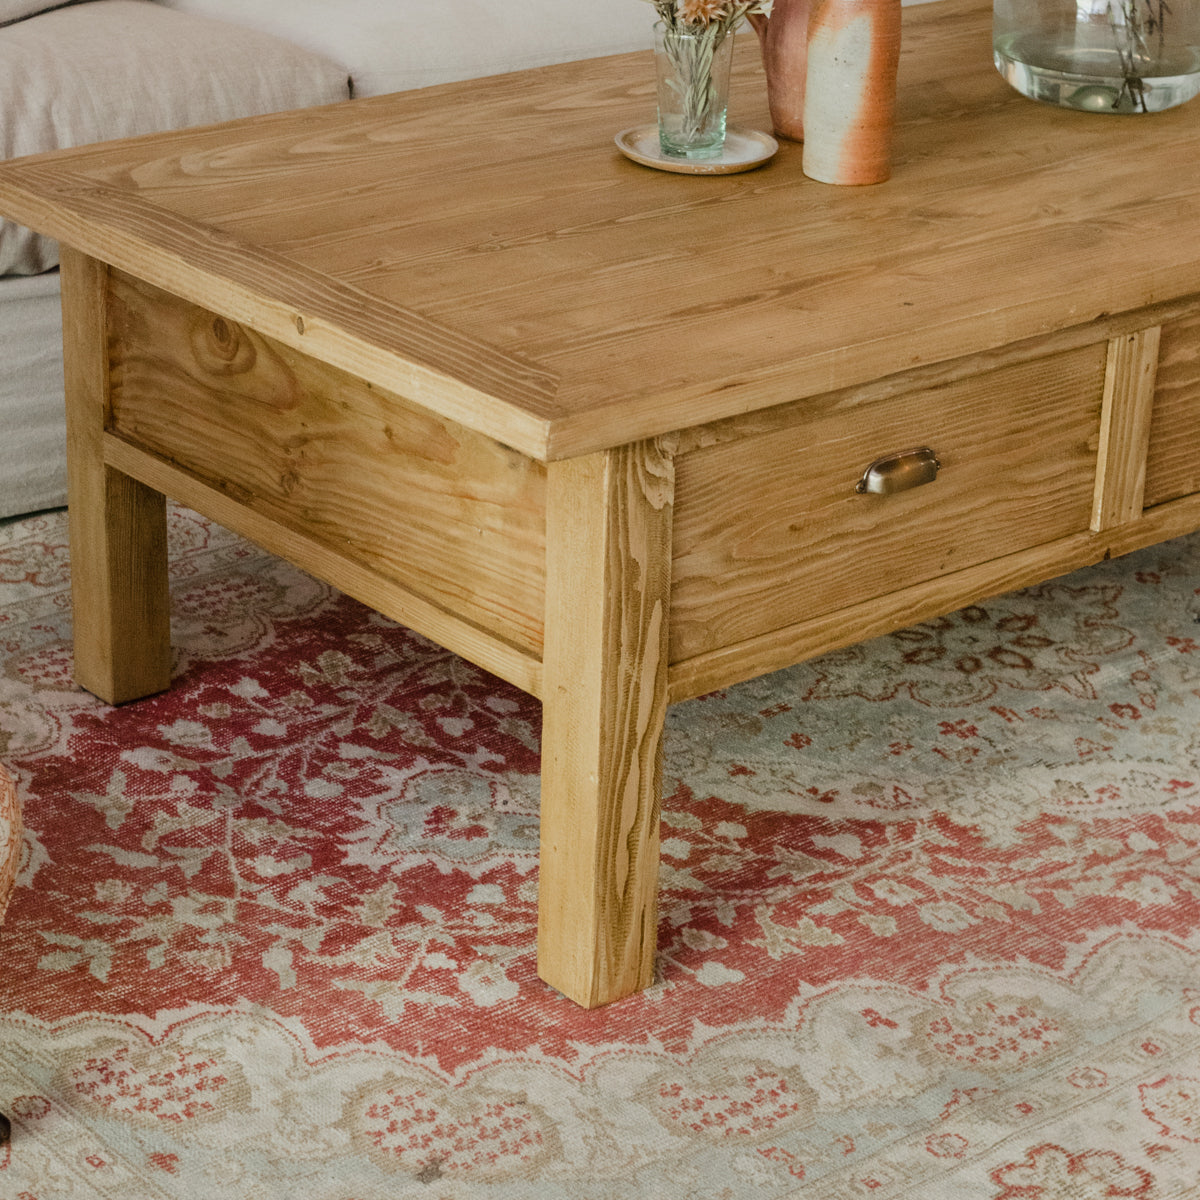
(899, 472)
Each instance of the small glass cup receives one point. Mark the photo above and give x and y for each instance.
(693, 89)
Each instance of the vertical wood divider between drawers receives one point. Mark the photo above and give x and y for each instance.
(1129, 380)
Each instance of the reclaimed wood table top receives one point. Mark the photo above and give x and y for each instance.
(484, 249)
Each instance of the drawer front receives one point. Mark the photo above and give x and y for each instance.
(1173, 460)
(770, 531)
(449, 513)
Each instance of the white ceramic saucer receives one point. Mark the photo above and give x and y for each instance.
(744, 149)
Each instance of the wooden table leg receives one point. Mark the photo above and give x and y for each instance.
(118, 527)
(604, 701)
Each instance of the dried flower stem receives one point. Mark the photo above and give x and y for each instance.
(1134, 23)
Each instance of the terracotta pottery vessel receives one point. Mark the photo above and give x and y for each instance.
(784, 39)
(850, 90)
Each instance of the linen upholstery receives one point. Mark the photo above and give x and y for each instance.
(33, 433)
(393, 45)
(116, 68)
(18, 10)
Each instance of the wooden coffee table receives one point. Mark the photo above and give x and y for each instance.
(600, 429)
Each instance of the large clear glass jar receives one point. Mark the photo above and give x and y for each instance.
(1112, 56)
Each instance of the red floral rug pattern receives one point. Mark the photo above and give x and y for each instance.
(930, 916)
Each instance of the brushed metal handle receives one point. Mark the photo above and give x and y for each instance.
(899, 472)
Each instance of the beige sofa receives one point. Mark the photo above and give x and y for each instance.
(90, 71)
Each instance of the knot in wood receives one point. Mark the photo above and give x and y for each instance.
(222, 347)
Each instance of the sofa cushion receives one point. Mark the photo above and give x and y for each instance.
(18, 10)
(392, 45)
(115, 68)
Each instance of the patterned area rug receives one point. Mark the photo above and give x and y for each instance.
(930, 920)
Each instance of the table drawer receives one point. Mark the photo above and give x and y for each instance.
(1173, 459)
(769, 530)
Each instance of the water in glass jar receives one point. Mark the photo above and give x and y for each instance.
(1107, 56)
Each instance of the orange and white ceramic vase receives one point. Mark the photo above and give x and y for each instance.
(850, 90)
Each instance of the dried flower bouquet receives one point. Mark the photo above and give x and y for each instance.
(718, 15)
